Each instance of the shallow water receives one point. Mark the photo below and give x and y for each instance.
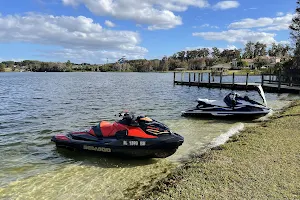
(35, 106)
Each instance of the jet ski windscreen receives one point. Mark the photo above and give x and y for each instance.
(262, 94)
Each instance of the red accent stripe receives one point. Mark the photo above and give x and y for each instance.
(75, 133)
(62, 137)
(92, 133)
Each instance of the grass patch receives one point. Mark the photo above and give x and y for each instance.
(244, 72)
(262, 162)
(7, 69)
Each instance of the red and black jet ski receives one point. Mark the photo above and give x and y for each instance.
(137, 137)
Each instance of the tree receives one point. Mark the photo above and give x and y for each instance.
(273, 50)
(295, 25)
(263, 50)
(259, 49)
(10, 64)
(174, 56)
(249, 50)
(216, 52)
(164, 64)
(189, 55)
(245, 64)
(205, 52)
(69, 64)
(228, 55)
(295, 35)
(181, 55)
(260, 62)
(256, 50)
(2, 67)
(286, 51)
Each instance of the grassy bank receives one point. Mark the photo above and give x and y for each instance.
(262, 162)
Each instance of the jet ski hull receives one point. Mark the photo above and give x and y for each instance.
(161, 147)
(225, 114)
(232, 106)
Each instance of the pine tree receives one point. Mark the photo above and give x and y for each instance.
(295, 34)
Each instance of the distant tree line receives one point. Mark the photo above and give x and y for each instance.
(198, 59)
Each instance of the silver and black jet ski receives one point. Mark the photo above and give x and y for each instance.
(233, 105)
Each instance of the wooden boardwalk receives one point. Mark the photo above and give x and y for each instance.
(269, 85)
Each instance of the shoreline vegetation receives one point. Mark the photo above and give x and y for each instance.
(253, 56)
(260, 162)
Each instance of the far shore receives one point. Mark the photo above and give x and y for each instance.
(261, 162)
(229, 72)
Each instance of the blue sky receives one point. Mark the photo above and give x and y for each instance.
(96, 30)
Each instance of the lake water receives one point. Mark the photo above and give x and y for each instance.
(36, 106)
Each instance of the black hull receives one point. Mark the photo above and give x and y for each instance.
(153, 148)
(225, 115)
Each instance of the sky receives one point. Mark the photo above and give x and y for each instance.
(100, 31)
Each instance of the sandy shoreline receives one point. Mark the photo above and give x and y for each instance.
(261, 162)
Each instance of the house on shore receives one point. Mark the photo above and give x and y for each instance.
(219, 69)
(253, 64)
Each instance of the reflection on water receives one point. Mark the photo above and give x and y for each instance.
(35, 106)
(104, 160)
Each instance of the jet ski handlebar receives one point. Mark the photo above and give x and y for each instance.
(126, 115)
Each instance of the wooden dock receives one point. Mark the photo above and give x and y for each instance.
(269, 82)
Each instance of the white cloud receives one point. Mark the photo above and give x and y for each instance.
(77, 33)
(224, 5)
(241, 36)
(250, 9)
(231, 47)
(277, 23)
(206, 26)
(279, 14)
(109, 23)
(155, 13)
(285, 42)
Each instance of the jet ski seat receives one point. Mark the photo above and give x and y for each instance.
(106, 129)
(231, 99)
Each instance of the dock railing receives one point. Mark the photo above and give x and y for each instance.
(272, 81)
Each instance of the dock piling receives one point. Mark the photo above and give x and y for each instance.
(221, 77)
(181, 76)
(279, 81)
(247, 77)
(174, 77)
